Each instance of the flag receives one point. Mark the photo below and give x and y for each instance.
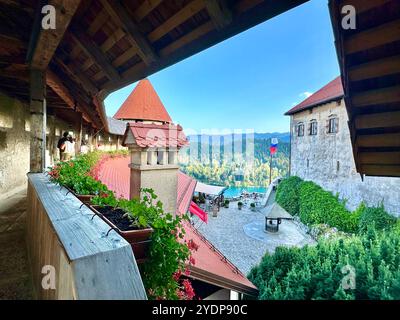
(274, 146)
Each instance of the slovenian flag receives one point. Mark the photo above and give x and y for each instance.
(274, 146)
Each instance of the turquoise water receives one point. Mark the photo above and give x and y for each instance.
(236, 191)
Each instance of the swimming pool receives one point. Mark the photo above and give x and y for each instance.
(236, 191)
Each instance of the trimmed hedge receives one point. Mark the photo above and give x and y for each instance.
(314, 205)
(318, 206)
(376, 217)
(287, 194)
(317, 272)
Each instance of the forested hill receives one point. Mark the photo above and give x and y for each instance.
(209, 162)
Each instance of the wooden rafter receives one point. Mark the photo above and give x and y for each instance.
(378, 120)
(120, 16)
(91, 49)
(177, 19)
(376, 68)
(376, 97)
(55, 83)
(375, 37)
(43, 43)
(219, 12)
(145, 8)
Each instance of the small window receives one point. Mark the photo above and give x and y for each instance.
(300, 130)
(313, 129)
(333, 125)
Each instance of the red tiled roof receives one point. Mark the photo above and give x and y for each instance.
(332, 91)
(157, 136)
(210, 264)
(143, 104)
(185, 190)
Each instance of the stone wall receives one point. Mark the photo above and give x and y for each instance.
(14, 145)
(327, 159)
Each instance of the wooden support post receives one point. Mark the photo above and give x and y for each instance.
(78, 142)
(38, 120)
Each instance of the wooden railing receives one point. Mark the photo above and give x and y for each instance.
(73, 254)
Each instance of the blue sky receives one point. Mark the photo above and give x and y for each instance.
(250, 80)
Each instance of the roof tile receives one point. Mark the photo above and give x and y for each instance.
(332, 91)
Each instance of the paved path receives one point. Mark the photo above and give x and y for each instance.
(15, 282)
(240, 236)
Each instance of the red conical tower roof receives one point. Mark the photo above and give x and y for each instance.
(143, 104)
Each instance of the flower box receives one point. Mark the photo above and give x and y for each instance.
(85, 198)
(139, 239)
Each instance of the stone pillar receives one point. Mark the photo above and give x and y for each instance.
(38, 120)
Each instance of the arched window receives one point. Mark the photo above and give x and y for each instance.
(333, 124)
(313, 128)
(300, 129)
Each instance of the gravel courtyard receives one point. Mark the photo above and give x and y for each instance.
(240, 236)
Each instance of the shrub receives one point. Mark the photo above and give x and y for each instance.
(315, 272)
(319, 206)
(287, 194)
(376, 217)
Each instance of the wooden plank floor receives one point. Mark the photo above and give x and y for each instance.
(15, 280)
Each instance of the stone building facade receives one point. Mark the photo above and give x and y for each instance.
(321, 152)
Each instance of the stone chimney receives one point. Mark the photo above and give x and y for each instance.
(154, 159)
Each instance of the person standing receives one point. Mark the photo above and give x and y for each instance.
(69, 148)
(61, 145)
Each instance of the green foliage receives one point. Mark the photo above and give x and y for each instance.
(168, 254)
(287, 194)
(315, 272)
(375, 217)
(318, 206)
(212, 168)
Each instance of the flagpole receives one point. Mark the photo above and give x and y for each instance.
(270, 167)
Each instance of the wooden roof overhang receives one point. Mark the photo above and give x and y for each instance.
(369, 59)
(100, 46)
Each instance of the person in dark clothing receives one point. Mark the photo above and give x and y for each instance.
(61, 145)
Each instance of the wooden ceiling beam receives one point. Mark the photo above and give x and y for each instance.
(379, 140)
(177, 19)
(375, 69)
(378, 120)
(364, 5)
(371, 38)
(376, 97)
(379, 158)
(381, 170)
(145, 8)
(90, 48)
(219, 12)
(188, 38)
(55, 83)
(79, 77)
(44, 42)
(120, 16)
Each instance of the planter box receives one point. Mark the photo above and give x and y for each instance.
(85, 198)
(138, 239)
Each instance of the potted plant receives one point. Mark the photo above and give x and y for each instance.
(240, 205)
(226, 203)
(128, 218)
(253, 206)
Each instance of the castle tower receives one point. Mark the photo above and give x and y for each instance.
(154, 142)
